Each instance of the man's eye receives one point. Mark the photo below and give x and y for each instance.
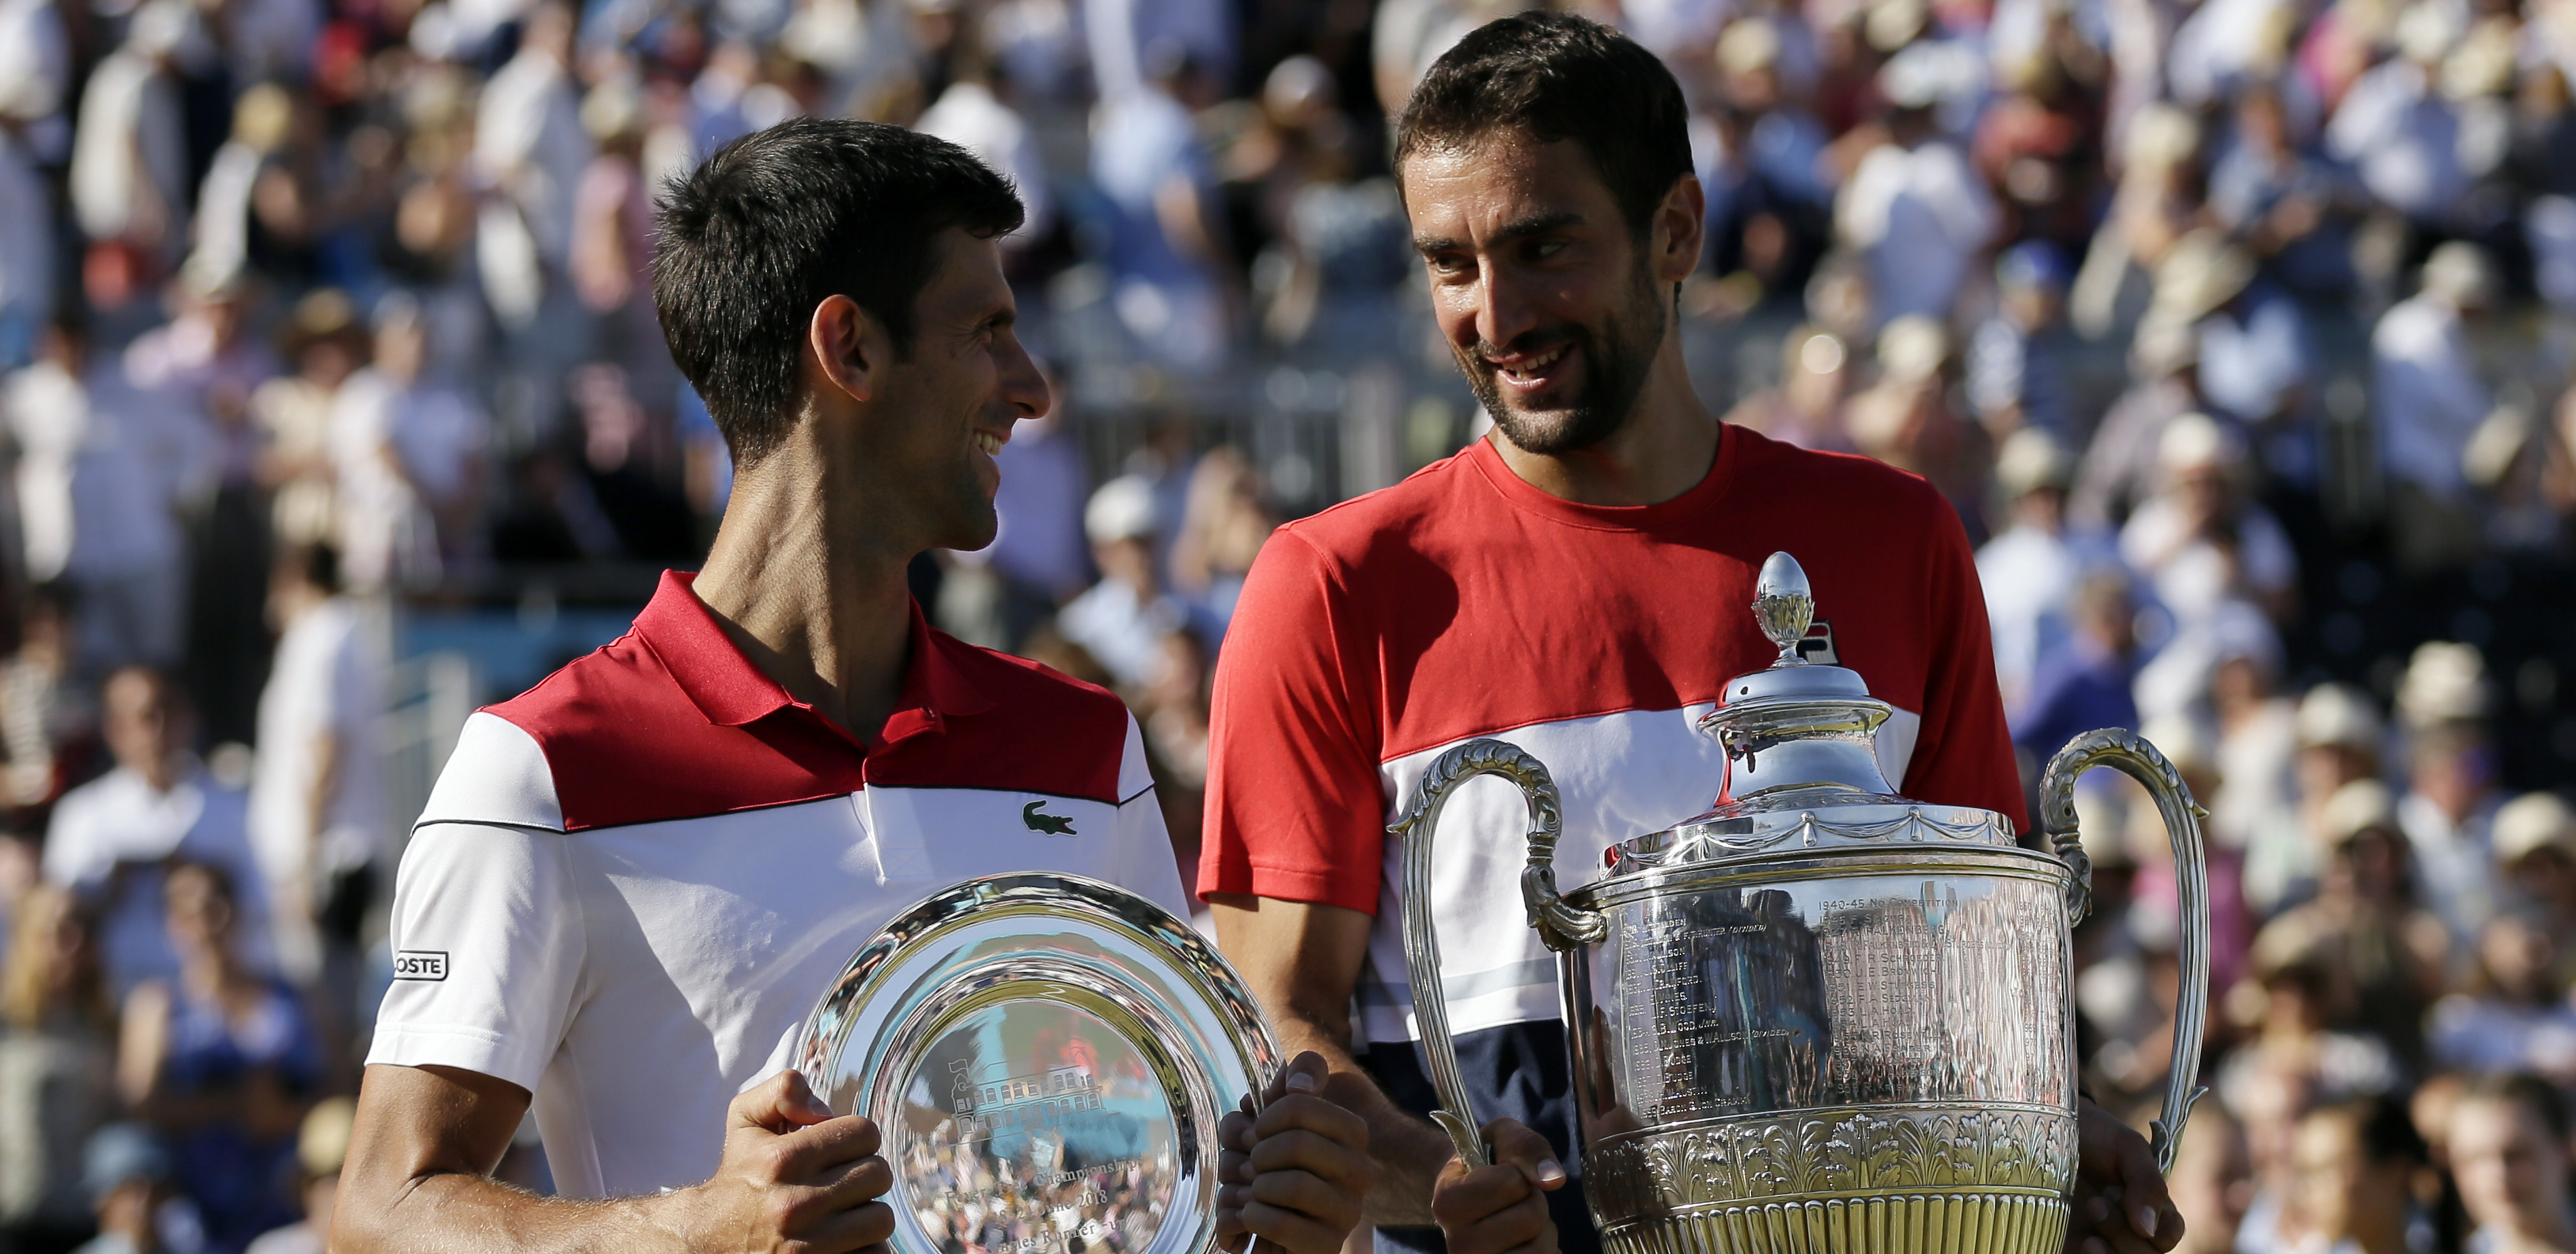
(1451, 265)
(1546, 248)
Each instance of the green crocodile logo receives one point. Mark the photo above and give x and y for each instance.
(1049, 824)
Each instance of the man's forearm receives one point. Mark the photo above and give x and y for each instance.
(454, 1213)
(792, 1177)
(416, 1180)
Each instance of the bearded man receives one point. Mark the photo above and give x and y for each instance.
(1576, 583)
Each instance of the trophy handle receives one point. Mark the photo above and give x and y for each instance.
(2134, 756)
(1559, 925)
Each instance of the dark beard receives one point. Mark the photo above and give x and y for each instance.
(1616, 361)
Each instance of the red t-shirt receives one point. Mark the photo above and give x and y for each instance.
(1464, 602)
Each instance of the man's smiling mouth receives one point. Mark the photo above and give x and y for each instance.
(1526, 370)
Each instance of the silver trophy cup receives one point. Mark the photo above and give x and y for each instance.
(1820, 1017)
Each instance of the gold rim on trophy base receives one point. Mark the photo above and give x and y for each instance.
(1048, 1057)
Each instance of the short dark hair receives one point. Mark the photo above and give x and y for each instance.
(2383, 1126)
(1557, 76)
(315, 563)
(2529, 1093)
(780, 220)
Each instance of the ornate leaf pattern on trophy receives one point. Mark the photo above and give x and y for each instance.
(1954, 1149)
(2008, 1149)
(1889, 1150)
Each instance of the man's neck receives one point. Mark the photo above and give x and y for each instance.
(168, 773)
(2542, 1234)
(1664, 449)
(808, 598)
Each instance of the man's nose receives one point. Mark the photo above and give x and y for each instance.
(1503, 307)
(1024, 386)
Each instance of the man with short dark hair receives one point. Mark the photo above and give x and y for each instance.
(632, 882)
(1578, 584)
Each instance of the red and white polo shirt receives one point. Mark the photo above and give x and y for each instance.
(632, 882)
(1463, 602)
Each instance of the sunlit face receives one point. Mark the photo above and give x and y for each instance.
(139, 726)
(2517, 957)
(1550, 303)
(2212, 1183)
(54, 922)
(2512, 1175)
(2326, 1171)
(2324, 768)
(200, 911)
(950, 406)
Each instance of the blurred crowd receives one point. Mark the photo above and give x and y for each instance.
(2239, 332)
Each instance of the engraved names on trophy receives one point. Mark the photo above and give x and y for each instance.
(1877, 989)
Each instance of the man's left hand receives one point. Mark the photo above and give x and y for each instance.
(1293, 1169)
(2121, 1206)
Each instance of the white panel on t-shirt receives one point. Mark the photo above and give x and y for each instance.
(1618, 776)
(636, 978)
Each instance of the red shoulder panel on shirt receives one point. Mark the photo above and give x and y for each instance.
(670, 721)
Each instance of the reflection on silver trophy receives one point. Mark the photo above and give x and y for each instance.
(1048, 1057)
(1820, 1017)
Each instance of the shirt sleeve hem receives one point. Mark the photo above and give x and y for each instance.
(1278, 883)
(469, 1049)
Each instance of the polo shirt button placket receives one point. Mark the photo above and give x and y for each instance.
(889, 820)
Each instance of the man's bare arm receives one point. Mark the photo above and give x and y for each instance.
(417, 1180)
(1303, 961)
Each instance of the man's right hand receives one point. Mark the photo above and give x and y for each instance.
(794, 1176)
(1501, 1209)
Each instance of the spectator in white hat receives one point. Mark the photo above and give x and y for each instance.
(2387, 954)
(2031, 570)
(2429, 400)
(1907, 418)
(2339, 734)
(129, 169)
(2199, 540)
(1122, 620)
(2399, 132)
(2119, 470)
(2450, 803)
(2254, 359)
(1806, 407)
(2257, 739)
(1914, 206)
(2535, 867)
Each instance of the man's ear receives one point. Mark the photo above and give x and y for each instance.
(845, 349)
(1680, 222)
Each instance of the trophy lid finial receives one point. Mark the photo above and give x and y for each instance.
(1783, 606)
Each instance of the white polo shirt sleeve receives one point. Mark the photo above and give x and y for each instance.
(1145, 861)
(487, 924)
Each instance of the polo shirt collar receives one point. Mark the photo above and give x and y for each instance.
(732, 692)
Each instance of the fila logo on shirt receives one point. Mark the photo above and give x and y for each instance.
(420, 964)
(1046, 824)
(1818, 647)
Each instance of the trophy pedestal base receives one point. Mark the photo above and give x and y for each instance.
(1960, 1221)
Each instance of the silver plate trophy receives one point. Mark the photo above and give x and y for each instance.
(1047, 1057)
(1820, 1017)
